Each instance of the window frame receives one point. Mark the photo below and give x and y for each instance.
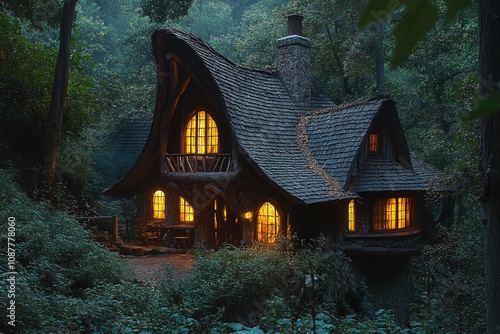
(352, 224)
(380, 221)
(183, 205)
(278, 225)
(207, 136)
(374, 145)
(154, 210)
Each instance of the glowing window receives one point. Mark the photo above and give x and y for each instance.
(187, 211)
(352, 225)
(202, 136)
(268, 222)
(159, 204)
(373, 143)
(391, 213)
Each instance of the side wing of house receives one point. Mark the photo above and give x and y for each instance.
(363, 147)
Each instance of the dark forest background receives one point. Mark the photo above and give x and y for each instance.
(112, 82)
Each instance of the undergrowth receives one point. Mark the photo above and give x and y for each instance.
(68, 284)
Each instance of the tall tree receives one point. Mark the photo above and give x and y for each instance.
(59, 91)
(489, 74)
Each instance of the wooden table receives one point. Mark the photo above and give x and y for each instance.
(168, 233)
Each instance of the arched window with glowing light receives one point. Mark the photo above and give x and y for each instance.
(268, 223)
(158, 204)
(186, 212)
(202, 136)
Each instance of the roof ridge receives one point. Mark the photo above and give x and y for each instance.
(204, 44)
(373, 100)
(312, 164)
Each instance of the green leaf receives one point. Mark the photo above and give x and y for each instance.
(484, 107)
(377, 10)
(419, 19)
(454, 6)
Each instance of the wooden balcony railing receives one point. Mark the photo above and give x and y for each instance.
(198, 163)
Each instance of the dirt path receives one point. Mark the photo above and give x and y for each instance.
(146, 266)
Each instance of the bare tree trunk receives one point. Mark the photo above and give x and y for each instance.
(59, 92)
(489, 72)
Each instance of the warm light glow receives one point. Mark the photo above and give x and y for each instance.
(352, 225)
(373, 145)
(248, 215)
(392, 213)
(202, 136)
(187, 211)
(403, 213)
(268, 221)
(159, 204)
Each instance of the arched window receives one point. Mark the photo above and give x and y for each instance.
(352, 217)
(268, 223)
(159, 204)
(202, 136)
(186, 212)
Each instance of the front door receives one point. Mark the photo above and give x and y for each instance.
(227, 229)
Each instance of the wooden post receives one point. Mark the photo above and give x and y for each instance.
(115, 228)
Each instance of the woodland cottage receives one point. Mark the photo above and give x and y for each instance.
(237, 154)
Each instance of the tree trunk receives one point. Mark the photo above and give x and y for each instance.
(489, 71)
(59, 92)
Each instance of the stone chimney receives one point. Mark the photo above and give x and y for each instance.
(294, 65)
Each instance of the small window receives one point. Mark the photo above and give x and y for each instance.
(159, 204)
(391, 213)
(373, 143)
(352, 223)
(268, 222)
(186, 212)
(202, 136)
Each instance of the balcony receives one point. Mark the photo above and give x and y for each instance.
(198, 163)
(389, 243)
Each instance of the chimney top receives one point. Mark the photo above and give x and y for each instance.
(295, 25)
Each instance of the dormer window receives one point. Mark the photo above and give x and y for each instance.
(202, 136)
(391, 213)
(373, 144)
(158, 205)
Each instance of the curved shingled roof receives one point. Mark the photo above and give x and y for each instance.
(264, 120)
(306, 152)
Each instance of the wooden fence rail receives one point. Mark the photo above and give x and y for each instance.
(91, 221)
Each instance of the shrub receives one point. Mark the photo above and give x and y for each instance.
(249, 285)
(55, 259)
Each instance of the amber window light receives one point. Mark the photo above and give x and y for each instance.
(202, 136)
(352, 225)
(186, 212)
(373, 143)
(391, 213)
(268, 222)
(159, 204)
